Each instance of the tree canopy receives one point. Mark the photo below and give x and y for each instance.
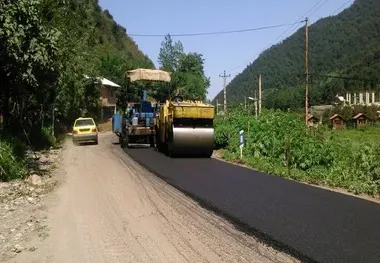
(47, 47)
(188, 76)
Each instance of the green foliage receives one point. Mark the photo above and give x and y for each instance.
(279, 143)
(188, 77)
(11, 166)
(342, 45)
(47, 47)
(348, 112)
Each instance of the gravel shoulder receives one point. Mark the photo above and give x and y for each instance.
(109, 209)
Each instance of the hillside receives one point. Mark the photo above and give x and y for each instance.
(346, 45)
(47, 47)
(115, 47)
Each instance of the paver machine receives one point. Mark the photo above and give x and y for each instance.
(185, 128)
(137, 125)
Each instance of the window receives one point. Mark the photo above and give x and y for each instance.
(84, 122)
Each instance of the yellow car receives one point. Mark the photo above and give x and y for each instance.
(85, 130)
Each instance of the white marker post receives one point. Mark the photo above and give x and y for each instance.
(241, 144)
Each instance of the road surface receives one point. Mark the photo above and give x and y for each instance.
(320, 225)
(109, 209)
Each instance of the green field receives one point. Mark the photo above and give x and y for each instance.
(280, 144)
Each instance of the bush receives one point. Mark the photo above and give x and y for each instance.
(279, 143)
(12, 166)
(42, 138)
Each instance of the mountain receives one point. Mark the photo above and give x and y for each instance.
(347, 44)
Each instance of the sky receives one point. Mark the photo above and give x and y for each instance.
(230, 52)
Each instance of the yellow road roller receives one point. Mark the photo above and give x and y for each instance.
(185, 128)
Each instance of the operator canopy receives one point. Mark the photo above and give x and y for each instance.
(148, 74)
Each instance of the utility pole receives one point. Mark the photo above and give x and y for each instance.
(259, 94)
(217, 107)
(255, 104)
(307, 70)
(224, 76)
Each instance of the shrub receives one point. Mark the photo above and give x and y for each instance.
(11, 165)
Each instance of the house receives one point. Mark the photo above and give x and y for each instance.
(319, 110)
(360, 120)
(312, 121)
(337, 121)
(107, 97)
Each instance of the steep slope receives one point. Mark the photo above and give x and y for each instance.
(346, 45)
(116, 49)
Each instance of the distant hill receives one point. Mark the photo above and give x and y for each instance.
(347, 44)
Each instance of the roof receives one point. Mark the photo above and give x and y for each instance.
(334, 116)
(312, 117)
(105, 82)
(359, 115)
(322, 107)
(148, 74)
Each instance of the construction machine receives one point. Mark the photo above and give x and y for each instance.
(185, 128)
(178, 127)
(137, 125)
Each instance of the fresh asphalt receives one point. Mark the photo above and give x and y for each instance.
(311, 223)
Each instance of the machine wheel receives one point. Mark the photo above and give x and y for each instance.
(152, 140)
(124, 141)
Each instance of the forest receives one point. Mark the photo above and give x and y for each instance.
(343, 45)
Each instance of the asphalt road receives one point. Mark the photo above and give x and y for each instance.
(318, 224)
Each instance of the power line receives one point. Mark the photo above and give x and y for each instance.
(342, 6)
(346, 78)
(212, 33)
(290, 27)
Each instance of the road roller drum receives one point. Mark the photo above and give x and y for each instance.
(185, 128)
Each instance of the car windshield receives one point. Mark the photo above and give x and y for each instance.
(84, 122)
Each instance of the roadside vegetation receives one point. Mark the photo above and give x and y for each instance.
(46, 49)
(279, 143)
(52, 53)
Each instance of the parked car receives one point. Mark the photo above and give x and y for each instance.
(85, 130)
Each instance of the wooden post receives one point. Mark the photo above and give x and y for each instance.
(255, 105)
(259, 94)
(307, 71)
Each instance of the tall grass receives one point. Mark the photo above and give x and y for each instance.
(279, 143)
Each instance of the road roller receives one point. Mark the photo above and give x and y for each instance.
(185, 128)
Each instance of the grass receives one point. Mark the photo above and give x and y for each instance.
(280, 144)
(356, 137)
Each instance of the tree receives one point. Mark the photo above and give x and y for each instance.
(29, 67)
(170, 54)
(188, 77)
